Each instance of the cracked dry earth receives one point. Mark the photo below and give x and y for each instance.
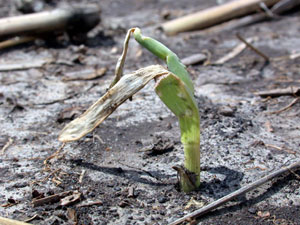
(122, 172)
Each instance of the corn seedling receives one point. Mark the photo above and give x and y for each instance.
(173, 86)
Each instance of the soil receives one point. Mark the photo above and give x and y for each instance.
(123, 170)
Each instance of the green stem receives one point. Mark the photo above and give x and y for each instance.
(190, 137)
(164, 53)
(173, 92)
(176, 90)
(192, 160)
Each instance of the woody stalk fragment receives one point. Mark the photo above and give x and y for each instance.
(173, 86)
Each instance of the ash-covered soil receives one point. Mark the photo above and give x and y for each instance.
(123, 170)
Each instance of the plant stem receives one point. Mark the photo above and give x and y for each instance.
(173, 92)
(192, 160)
(164, 53)
(176, 90)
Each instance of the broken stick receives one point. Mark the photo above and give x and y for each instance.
(292, 90)
(237, 193)
(214, 15)
(37, 63)
(72, 19)
(16, 41)
(236, 51)
(6, 146)
(277, 9)
(257, 51)
(6, 221)
(50, 199)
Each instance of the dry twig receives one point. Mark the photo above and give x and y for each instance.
(32, 218)
(277, 9)
(6, 221)
(8, 143)
(268, 126)
(280, 148)
(72, 216)
(55, 20)
(70, 199)
(90, 203)
(50, 199)
(49, 175)
(81, 176)
(235, 52)
(54, 154)
(294, 55)
(24, 65)
(214, 15)
(16, 41)
(257, 51)
(95, 136)
(286, 107)
(292, 90)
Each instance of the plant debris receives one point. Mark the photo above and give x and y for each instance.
(72, 215)
(88, 203)
(194, 59)
(85, 74)
(6, 146)
(70, 199)
(292, 90)
(50, 199)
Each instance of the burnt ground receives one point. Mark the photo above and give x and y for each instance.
(241, 140)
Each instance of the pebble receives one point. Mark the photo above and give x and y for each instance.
(269, 156)
(162, 199)
(226, 110)
(246, 153)
(117, 189)
(110, 185)
(162, 213)
(252, 210)
(150, 201)
(123, 204)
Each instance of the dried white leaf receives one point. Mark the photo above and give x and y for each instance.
(127, 86)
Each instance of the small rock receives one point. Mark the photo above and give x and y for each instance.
(112, 210)
(141, 218)
(246, 153)
(114, 50)
(162, 199)
(252, 210)
(131, 193)
(117, 189)
(150, 201)
(269, 156)
(162, 213)
(110, 185)
(123, 203)
(226, 110)
(194, 59)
